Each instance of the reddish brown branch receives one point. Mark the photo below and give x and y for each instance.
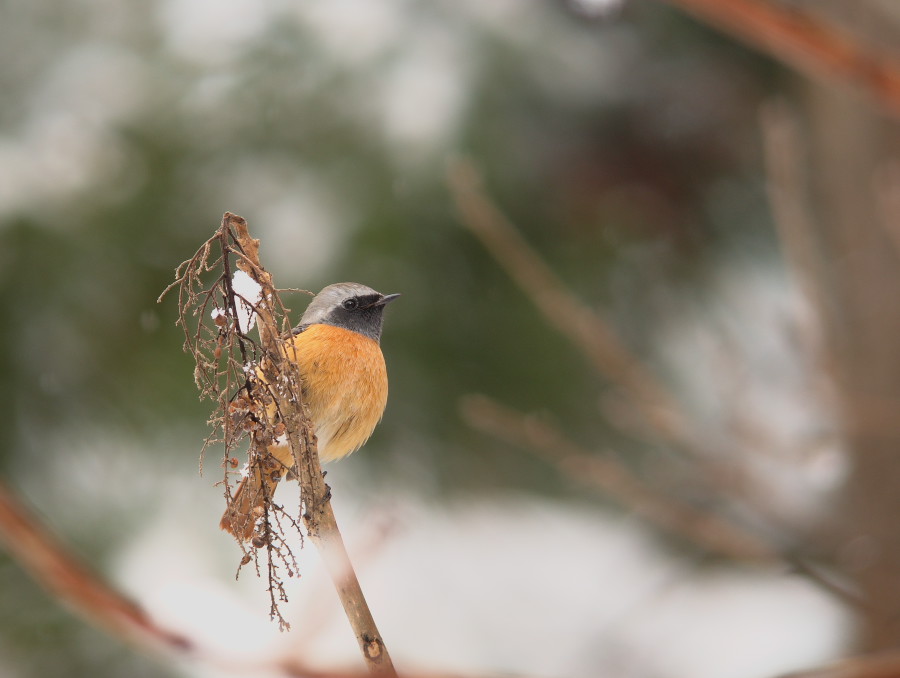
(805, 43)
(71, 582)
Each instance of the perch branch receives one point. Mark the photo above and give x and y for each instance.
(805, 43)
(318, 516)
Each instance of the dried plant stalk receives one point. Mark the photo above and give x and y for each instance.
(229, 371)
(257, 390)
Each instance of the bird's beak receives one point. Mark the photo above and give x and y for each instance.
(384, 301)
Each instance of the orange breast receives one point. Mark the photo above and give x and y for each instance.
(344, 385)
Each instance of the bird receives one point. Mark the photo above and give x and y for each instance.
(337, 348)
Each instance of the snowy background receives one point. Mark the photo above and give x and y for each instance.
(620, 137)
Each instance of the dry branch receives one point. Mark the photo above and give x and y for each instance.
(805, 43)
(215, 319)
(318, 516)
(257, 389)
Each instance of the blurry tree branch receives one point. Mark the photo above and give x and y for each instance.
(805, 43)
(786, 186)
(593, 334)
(887, 189)
(89, 597)
(705, 529)
(880, 665)
(827, 172)
(73, 584)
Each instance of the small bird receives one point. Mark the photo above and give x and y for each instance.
(344, 381)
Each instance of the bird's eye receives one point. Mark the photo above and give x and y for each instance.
(350, 304)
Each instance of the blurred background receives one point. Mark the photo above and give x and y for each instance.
(732, 222)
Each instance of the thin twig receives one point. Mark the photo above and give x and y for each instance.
(376, 533)
(805, 43)
(793, 215)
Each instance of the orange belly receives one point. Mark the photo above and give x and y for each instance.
(344, 385)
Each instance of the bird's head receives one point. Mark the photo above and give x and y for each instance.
(351, 306)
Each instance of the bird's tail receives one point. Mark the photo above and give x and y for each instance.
(248, 501)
